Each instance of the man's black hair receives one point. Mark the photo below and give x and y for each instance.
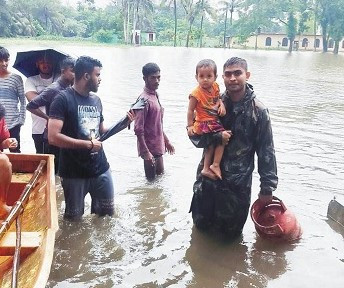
(67, 62)
(2, 111)
(236, 61)
(207, 63)
(85, 64)
(149, 69)
(4, 54)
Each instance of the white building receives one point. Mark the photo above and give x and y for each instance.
(281, 41)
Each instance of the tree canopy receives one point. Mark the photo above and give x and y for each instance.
(176, 22)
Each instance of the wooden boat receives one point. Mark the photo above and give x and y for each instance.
(335, 210)
(38, 223)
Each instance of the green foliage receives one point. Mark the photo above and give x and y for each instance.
(104, 36)
(197, 22)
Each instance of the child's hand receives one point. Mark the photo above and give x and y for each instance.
(190, 130)
(9, 143)
(222, 109)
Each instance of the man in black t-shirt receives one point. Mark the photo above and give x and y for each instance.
(75, 125)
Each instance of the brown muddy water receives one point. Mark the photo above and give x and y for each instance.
(151, 241)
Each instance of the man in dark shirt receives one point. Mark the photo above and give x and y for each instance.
(46, 97)
(75, 124)
(225, 204)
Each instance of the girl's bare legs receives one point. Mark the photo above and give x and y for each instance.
(215, 167)
(208, 158)
(5, 180)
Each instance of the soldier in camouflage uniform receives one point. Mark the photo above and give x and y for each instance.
(224, 204)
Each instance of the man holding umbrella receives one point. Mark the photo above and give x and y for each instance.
(41, 69)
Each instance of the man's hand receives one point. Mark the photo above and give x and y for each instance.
(265, 199)
(131, 115)
(226, 135)
(96, 145)
(149, 157)
(169, 148)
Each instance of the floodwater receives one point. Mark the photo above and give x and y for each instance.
(151, 241)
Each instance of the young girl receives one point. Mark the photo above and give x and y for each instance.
(205, 106)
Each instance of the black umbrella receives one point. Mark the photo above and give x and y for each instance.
(26, 60)
(124, 122)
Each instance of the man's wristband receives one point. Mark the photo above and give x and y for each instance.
(91, 146)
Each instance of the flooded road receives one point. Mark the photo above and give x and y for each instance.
(151, 241)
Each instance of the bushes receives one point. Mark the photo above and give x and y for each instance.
(104, 36)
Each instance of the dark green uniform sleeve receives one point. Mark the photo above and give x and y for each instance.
(267, 167)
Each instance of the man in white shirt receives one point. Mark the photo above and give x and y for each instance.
(34, 85)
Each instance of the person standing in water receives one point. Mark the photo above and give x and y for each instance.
(152, 142)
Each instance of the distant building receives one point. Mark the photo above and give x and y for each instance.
(148, 36)
(138, 37)
(280, 41)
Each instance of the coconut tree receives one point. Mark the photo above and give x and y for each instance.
(225, 7)
(141, 12)
(205, 9)
(192, 10)
(168, 3)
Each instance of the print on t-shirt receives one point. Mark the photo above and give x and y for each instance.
(89, 121)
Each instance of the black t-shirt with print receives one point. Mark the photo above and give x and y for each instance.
(81, 118)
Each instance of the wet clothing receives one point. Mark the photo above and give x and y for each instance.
(101, 191)
(148, 125)
(82, 171)
(225, 204)
(208, 103)
(81, 118)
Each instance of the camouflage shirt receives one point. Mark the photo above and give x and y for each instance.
(229, 200)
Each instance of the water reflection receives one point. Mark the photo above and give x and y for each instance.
(218, 263)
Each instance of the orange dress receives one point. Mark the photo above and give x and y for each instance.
(206, 115)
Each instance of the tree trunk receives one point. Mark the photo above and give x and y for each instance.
(188, 36)
(135, 12)
(291, 41)
(336, 47)
(201, 33)
(324, 37)
(225, 31)
(175, 22)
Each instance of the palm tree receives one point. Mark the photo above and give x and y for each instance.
(168, 3)
(192, 10)
(141, 10)
(228, 6)
(205, 8)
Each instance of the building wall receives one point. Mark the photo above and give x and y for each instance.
(148, 37)
(280, 41)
